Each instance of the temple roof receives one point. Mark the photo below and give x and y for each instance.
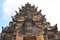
(29, 14)
(27, 11)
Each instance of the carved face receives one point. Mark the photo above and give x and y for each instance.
(21, 18)
(28, 27)
(36, 17)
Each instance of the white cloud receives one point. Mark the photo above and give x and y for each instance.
(50, 8)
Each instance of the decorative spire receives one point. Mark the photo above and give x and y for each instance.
(2, 27)
(27, 11)
(16, 12)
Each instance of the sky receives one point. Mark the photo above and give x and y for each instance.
(50, 8)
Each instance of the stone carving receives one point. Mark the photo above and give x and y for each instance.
(28, 21)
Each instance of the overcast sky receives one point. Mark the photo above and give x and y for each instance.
(50, 8)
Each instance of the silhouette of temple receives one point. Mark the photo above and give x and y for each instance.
(29, 24)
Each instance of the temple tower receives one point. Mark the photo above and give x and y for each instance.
(29, 24)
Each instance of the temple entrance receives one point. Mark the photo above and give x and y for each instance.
(29, 38)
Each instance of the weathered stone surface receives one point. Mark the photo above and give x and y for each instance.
(29, 22)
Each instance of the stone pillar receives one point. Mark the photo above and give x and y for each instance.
(46, 37)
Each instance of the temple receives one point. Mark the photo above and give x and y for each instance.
(29, 24)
